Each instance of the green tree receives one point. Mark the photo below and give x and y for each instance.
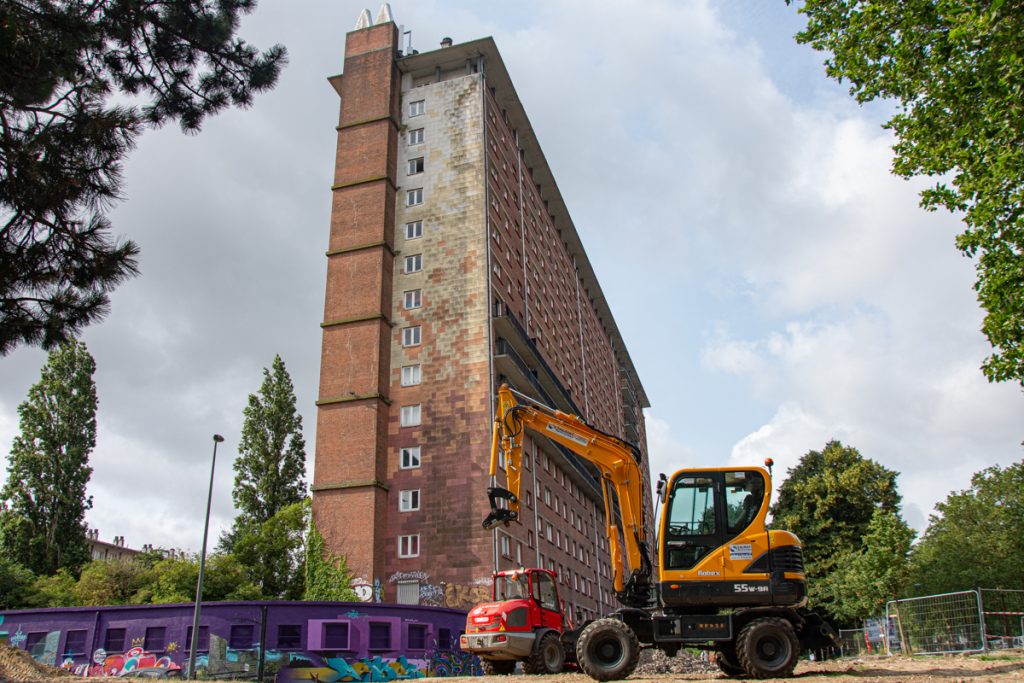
(866, 578)
(955, 68)
(976, 537)
(16, 584)
(43, 523)
(57, 590)
(274, 553)
(109, 582)
(79, 81)
(271, 464)
(828, 500)
(327, 575)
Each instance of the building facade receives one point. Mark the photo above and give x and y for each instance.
(267, 640)
(454, 266)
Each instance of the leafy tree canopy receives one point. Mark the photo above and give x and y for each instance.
(955, 68)
(867, 577)
(78, 82)
(274, 553)
(829, 500)
(43, 524)
(976, 537)
(271, 466)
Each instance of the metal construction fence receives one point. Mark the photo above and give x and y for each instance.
(967, 621)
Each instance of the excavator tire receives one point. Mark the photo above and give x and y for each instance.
(768, 648)
(607, 650)
(726, 660)
(498, 667)
(547, 658)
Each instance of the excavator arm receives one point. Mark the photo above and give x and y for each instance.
(617, 462)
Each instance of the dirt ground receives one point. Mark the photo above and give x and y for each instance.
(1002, 668)
(16, 666)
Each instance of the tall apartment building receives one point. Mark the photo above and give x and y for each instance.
(453, 266)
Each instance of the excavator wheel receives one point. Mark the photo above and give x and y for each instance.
(768, 648)
(498, 667)
(607, 650)
(726, 660)
(547, 658)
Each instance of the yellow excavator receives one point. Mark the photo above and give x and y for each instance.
(724, 582)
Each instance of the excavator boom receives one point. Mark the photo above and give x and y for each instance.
(617, 462)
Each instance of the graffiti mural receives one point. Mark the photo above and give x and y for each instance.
(123, 664)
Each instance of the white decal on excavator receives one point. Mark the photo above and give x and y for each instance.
(566, 434)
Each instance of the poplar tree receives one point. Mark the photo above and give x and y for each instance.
(270, 469)
(44, 498)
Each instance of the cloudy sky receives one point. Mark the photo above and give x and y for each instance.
(776, 286)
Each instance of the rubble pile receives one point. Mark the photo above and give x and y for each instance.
(18, 666)
(655, 662)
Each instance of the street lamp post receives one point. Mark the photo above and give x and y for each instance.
(217, 438)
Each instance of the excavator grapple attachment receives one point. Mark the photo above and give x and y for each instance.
(500, 515)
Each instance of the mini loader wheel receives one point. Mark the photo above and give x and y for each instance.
(768, 648)
(607, 650)
(547, 658)
(498, 667)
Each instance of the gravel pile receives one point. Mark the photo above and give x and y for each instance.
(654, 662)
(17, 665)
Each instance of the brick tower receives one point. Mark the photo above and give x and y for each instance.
(453, 265)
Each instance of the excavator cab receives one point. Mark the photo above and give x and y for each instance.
(715, 549)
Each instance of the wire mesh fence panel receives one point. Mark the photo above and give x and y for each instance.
(863, 642)
(851, 642)
(1003, 611)
(938, 624)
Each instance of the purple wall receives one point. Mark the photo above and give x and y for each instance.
(327, 641)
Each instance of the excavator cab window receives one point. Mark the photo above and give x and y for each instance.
(707, 510)
(692, 526)
(744, 493)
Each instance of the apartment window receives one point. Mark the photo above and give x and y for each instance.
(519, 554)
(547, 496)
(417, 637)
(74, 643)
(409, 546)
(551, 534)
(416, 136)
(411, 336)
(415, 166)
(240, 637)
(335, 636)
(414, 197)
(410, 416)
(497, 269)
(413, 298)
(113, 640)
(289, 637)
(414, 263)
(417, 108)
(529, 539)
(156, 637)
(409, 500)
(408, 593)
(410, 458)
(413, 230)
(529, 499)
(380, 635)
(203, 644)
(410, 375)
(506, 549)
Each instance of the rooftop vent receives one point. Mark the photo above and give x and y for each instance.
(446, 42)
(364, 20)
(384, 14)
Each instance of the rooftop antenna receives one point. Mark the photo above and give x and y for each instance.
(407, 35)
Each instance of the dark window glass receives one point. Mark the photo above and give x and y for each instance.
(74, 643)
(113, 640)
(380, 636)
(204, 639)
(335, 636)
(155, 637)
(444, 639)
(289, 637)
(240, 637)
(34, 639)
(417, 637)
